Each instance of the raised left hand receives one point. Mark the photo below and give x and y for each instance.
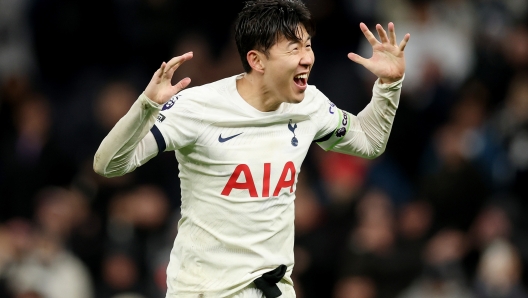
(388, 60)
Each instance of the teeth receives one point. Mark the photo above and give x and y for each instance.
(303, 76)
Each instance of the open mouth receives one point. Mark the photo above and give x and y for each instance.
(301, 80)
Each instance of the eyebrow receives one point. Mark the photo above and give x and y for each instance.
(297, 41)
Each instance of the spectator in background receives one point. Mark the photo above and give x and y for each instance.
(355, 287)
(373, 254)
(510, 122)
(443, 275)
(41, 262)
(313, 273)
(454, 187)
(326, 209)
(17, 56)
(499, 272)
(13, 91)
(501, 219)
(342, 178)
(157, 256)
(443, 53)
(441, 62)
(111, 103)
(59, 212)
(51, 271)
(414, 222)
(105, 109)
(31, 158)
(492, 223)
(121, 275)
(138, 231)
(501, 45)
(471, 113)
(478, 142)
(8, 253)
(66, 215)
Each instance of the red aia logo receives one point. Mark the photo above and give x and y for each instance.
(249, 184)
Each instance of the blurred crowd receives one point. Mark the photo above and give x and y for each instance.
(439, 214)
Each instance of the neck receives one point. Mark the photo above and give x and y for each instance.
(252, 89)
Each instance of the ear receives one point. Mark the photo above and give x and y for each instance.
(256, 60)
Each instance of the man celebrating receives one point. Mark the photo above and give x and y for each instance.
(240, 143)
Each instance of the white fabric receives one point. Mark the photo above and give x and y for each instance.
(238, 168)
(251, 291)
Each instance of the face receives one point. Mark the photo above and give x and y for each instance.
(287, 68)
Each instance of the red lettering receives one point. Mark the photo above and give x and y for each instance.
(266, 180)
(248, 184)
(288, 167)
(287, 179)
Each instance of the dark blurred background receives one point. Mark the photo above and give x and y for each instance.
(440, 214)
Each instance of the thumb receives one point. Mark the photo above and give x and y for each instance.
(181, 85)
(358, 59)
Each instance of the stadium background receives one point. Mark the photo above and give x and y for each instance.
(440, 214)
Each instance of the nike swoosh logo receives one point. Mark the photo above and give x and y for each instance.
(221, 140)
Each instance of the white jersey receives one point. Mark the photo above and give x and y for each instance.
(238, 170)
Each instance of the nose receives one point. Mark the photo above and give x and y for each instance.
(307, 58)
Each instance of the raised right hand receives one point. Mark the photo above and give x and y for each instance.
(160, 88)
(388, 60)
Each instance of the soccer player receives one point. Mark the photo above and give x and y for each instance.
(240, 143)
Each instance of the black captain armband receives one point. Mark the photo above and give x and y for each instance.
(330, 140)
(325, 138)
(159, 139)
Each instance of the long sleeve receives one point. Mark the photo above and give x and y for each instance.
(129, 144)
(366, 134)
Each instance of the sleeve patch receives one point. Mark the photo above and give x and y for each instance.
(332, 107)
(169, 104)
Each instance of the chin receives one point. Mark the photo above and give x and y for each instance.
(296, 97)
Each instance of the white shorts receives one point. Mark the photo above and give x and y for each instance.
(251, 291)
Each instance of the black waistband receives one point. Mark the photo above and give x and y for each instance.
(267, 283)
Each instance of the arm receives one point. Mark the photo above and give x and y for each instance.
(129, 144)
(368, 132)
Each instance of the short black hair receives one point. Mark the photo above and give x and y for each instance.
(261, 24)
